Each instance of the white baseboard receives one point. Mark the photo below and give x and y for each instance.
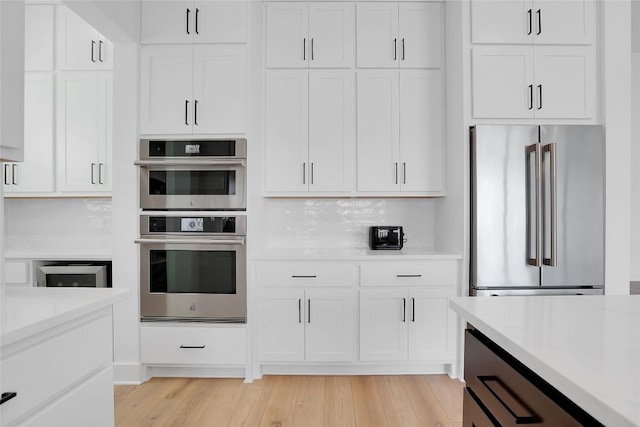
(360, 369)
(127, 374)
(194, 372)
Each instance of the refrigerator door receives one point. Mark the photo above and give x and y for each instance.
(573, 230)
(502, 226)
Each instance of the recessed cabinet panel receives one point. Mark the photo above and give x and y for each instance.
(78, 45)
(287, 29)
(431, 323)
(420, 35)
(377, 35)
(286, 156)
(383, 325)
(38, 37)
(166, 21)
(221, 21)
(331, 33)
(504, 22)
(502, 82)
(281, 327)
(330, 325)
(565, 21)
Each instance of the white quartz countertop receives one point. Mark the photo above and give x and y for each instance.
(587, 347)
(355, 254)
(57, 254)
(29, 311)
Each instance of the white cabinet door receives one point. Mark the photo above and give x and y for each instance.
(83, 131)
(219, 89)
(565, 83)
(377, 35)
(331, 33)
(78, 45)
(38, 37)
(383, 325)
(503, 22)
(287, 33)
(431, 325)
(421, 131)
(378, 135)
(332, 139)
(280, 325)
(502, 82)
(420, 35)
(166, 89)
(35, 174)
(286, 148)
(564, 21)
(330, 325)
(202, 21)
(166, 21)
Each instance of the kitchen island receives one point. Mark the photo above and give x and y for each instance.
(586, 347)
(56, 356)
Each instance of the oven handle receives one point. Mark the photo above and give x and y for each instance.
(192, 241)
(191, 162)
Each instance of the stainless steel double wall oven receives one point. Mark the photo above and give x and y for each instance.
(193, 230)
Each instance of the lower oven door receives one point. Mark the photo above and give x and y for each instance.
(193, 279)
(180, 186)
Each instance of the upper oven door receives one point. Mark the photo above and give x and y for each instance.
(204, 186)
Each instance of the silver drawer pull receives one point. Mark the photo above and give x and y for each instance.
(192, 346)
(304, 277)
(408, 275)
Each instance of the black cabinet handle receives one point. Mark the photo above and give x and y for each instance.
(299, 310)
(304, 49)
(517, 408)
(530, 14)
(14, 174)
(100, 165)
(530, 97)
(403, 49)
(195, 112)
(413, 309)
(7, 397)
(186, 112)
(93, 46)
(539, 13)
(100, 51)
(309, 310)
(395, 49)
(93, 167)
(408, 275)
(193, 346)
(404, 310)
(6, 174)
(539, 97)
(188, 12)
(304, 277)
(197, 13)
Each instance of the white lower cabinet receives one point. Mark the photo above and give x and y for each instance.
(407, 324)
(312, 324)
(17, 272)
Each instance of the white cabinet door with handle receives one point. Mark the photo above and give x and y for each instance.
(383, 325)
(287, 31)
(78, 45)
(377, 35)
(281, 325)
(431, 324)
(330, 325)
(38, 37)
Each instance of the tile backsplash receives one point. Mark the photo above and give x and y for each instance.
(344, 223)
(67, 224)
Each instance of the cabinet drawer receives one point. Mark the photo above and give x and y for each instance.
(512, 393)
(45, 370)
(280, 273)
(187, 345)
(428, 272)
(16, 272)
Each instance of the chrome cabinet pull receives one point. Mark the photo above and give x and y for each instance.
(304, 49)
(14, 174)
(93, 166)
(197, 13)
(193, 346)
(195, 112)
(530, 97)
(551, 149)
(93, 45)
(395, 49)
(299, 310)
(188, 12)
(100, 165)
(186, 111)
(530, 14)
(413, 309)
(539, 13)
(7, 397)
(404, 310)
(100, 51)
(309, 310)
(539, 97)
(403, 49)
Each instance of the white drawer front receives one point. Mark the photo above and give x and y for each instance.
(192, 345)
(17, 272)
(283, 273)
(45, 370)
(420, 273)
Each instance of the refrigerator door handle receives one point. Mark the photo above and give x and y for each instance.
(537, 214)
(551, 149)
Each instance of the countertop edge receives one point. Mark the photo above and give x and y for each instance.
(574, 392)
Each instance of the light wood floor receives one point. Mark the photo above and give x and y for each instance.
(279, 401)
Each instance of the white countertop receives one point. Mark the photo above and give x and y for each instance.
(29, 311)
(587, 347)
(351, 254)
(57, 254)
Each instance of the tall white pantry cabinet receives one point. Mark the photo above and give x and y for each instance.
(371, 123)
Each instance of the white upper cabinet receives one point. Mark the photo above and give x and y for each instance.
(310, 132)
(533, 21)
(78, 45)
(200, 21)
(533, 82)
(38, 37)
(406, 35)
(400, 132)
(35, 174)
(315, 35)
(193, 89)
(84, 131)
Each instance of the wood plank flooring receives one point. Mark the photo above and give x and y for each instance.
(302, 401)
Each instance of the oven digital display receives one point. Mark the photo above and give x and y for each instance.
(191, 224)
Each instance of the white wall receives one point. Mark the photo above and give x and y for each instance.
(118, 20)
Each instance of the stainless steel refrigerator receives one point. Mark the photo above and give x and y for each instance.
(537, 210)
